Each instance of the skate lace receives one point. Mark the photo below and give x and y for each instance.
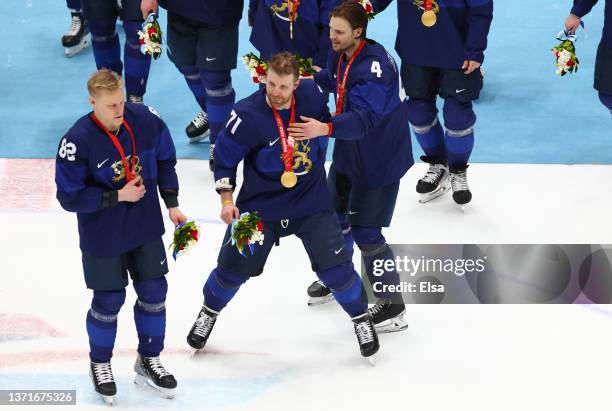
(376, 308)
(364, 332)
(459, 181)
(157, 367)
(104, 373)
(434, 173)
(200, 120)
(75, 25)
(203, 325)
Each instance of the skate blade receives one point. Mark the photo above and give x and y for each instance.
(108, 399)
(146, 384)
(371, 360)
(200, 138)
(314, 301)
(441, 190)
(392, 325)
(73, 51)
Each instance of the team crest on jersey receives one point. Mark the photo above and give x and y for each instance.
(283, 9)
(301, 163)
(119, 170)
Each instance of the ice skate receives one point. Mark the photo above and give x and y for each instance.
(198, 129)
(101, 375)
(388, 317)
(77, 38)
(319, 294)
(199, 333)
(461, 191)
(152, 376)
(435, 182)
(366, 336)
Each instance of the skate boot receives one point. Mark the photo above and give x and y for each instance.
(197, 130)
(366, 336)
(77, 37)
(319, 294)
(211, 158)
(388, 317)
(135, 99)
(152, 376)
(202, 328)
(461, 192)
(101, 375)
(435, 182)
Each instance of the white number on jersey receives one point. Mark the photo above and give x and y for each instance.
(376, 69)
(154, 111)
(67, 150)
(233, 116)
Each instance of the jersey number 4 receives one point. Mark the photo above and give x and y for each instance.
(233, 116)
(67, 150)
(376, 69)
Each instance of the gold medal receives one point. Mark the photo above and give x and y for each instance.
(288, 179)
(429, 18)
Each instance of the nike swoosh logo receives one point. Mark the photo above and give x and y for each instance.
(162, 262)
(460, 91)
(102, 163)
(338, 251)
(210, 59)
(273, 142)
(353, 212)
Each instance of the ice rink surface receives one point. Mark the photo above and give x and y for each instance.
(269, 351)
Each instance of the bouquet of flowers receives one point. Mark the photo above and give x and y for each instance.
(256, 66)
(368, 8)
(247, 231)
(151, 37)
(565, 53)
(306, 69)
(185, 236)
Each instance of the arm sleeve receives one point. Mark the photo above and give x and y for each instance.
(582, 7)
(167, 180)
(480, 15)
(251, 10)
(324, 79)
(325, 9)
(71, 174)
(232, 145)
(380, 5)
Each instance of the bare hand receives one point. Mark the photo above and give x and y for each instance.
(316, 68)
(310, 128)
(229, 212)
(148, 6)
(132, 191)
(571, 23)
(469, 66)
(176, 216)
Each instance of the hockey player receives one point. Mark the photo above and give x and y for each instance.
(203, 44)
(108, 167)
(296, 203)
(300, 27)
(102, 18)
(372, 150)
(603, 64)
(442, 46)
(77, 38)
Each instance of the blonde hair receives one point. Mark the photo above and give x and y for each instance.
(104, 80)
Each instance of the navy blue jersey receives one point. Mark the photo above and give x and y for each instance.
(460, 32)
(251, 134)
(270, 34)
(373, 146)
(214, 12)
(89, 170)
(583, 7)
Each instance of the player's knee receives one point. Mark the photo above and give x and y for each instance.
(102, 31)
(108, 302)
(459, 118)
(190, 72)
(229, 279)
(606, 100)
(339, 277)
(131, 29)
(152, 291)
(368, 239)
(422, 114)
(217, 83)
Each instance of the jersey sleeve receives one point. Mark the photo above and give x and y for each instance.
(74, 193)
(583, 7)
(480, 16)
(167, 180)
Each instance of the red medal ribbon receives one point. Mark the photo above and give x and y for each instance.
(341, 86)
(117, 144)
(428, 5)
(287, 148)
